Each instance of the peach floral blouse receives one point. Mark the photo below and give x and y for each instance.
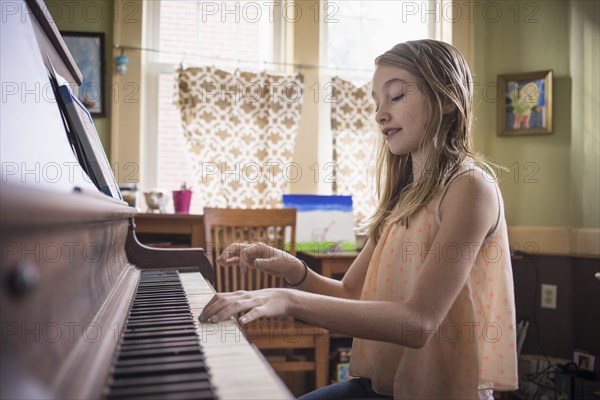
(473, 351)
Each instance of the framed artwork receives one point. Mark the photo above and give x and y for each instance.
(87, 49)
(584, 360)
(525, 104)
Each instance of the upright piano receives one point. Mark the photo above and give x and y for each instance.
(86, 310)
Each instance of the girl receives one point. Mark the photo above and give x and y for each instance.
(429, 300)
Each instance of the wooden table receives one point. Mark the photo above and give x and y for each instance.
(329, 264)
(191, 225)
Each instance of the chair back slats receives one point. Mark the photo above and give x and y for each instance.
(277, 228)
(274, 227)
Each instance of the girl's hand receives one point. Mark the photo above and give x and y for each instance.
(262, 257)
(254, 304)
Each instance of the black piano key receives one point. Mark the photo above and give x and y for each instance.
(171, 283)
(158, 322)
(198, 388)
(160, 283)
(164, 297)
(158, 307)
(158, 352)
(194, 395)
(162, 334)
(149, 315)
(167, 289)
(173, 286)
(160, 304)
(153, 343)
(158, 328)
(164, 291)
(159, 369)
(174, 327)
(160, 310)
(160, 380)
(164, 287)
(161, 320)
(180, 315)
(172, 311)
(160, 355)
(159, 359)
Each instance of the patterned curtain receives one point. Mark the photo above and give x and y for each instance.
(354, 138)
(241, 130)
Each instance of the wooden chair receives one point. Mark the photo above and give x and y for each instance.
(277, 228)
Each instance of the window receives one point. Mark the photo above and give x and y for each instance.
(244, 34)
(374, 26)
(227, 35)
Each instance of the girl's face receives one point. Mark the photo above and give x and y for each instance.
(401, 110)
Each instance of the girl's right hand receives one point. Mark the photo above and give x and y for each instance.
(261, 257)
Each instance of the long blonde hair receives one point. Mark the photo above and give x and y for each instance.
(443, 76)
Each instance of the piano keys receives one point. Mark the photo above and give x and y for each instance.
(166, 351)
(159, 352)
(238, 369)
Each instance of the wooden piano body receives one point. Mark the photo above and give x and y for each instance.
(71, 263)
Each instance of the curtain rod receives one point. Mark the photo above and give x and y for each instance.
(239, 61)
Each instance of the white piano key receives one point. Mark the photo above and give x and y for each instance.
(238, 369)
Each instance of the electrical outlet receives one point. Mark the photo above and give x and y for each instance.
(548, 296)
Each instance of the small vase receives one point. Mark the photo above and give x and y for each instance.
(182, 200)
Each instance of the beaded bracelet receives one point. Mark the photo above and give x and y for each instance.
(303, 278)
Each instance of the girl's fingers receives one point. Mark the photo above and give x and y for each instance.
(266, 264)
(254, 255)
(253, 305)
(239, 253)
(231, 252)
(213, 306)
(249, 254)
(251, 315)
(224, 305)
(223, 261)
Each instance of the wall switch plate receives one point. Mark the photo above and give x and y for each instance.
(548, 296)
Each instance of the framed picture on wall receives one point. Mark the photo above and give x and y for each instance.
(585, 361)
(525, 104)
(87, 49)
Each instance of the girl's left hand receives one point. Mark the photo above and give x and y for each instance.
(255, 304)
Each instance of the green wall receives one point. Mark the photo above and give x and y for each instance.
(90, 16)
(585, 157)
(534, 36)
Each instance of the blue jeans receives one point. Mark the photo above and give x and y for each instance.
(356, 388)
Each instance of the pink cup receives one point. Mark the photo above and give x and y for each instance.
(181, 201)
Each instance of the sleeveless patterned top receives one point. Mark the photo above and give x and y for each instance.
(474, 349)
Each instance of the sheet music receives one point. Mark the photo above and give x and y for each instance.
(34, 148)
(84, 132)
